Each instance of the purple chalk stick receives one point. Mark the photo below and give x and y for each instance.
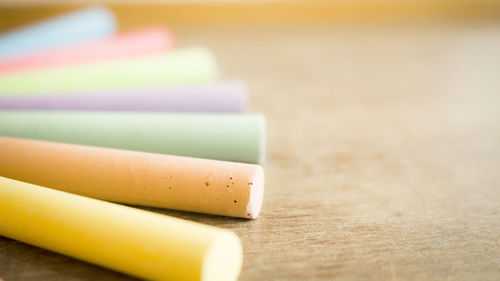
(218, 97)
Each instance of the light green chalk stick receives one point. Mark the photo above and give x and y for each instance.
(190, 65)
(231, 137)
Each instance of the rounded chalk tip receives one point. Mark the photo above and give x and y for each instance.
(224, 258)
(256, 193)
(103, 19)
(262, 125)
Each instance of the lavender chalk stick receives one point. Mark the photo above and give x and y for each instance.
(218, 97)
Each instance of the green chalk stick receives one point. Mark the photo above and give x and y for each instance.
(231, 137)
(190, 65)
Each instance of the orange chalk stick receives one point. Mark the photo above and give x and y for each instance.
(129, 44)
(139, 178)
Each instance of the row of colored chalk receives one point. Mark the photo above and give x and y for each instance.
(87, 115)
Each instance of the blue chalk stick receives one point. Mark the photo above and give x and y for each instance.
(88, 24)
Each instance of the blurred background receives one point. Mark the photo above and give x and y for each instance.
(383, 132)
(343, 48)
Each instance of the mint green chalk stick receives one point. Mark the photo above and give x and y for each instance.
(190, 65)
(231, 137)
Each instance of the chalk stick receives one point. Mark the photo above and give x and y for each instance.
(71, 28)
(129, 240)
(138, 178)
(189, 65)
(127, 44)
(213, 97)
(231, 137)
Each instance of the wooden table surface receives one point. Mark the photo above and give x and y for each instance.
(383, 148)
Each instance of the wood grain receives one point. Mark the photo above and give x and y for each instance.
(384, 155)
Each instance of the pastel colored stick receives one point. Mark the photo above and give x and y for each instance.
(138, 178)
(231, 137)
(129, 44)
(129, 240)
(75, 27)
(214, 97)
(189, 65)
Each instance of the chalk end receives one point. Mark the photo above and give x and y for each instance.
(223, 259)
(262, 142)
(256, 186)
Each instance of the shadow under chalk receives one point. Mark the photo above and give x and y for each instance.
(215, 220)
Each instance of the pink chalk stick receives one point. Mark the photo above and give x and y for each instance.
(129, 44)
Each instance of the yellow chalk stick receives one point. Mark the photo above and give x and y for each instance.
(132, 241)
